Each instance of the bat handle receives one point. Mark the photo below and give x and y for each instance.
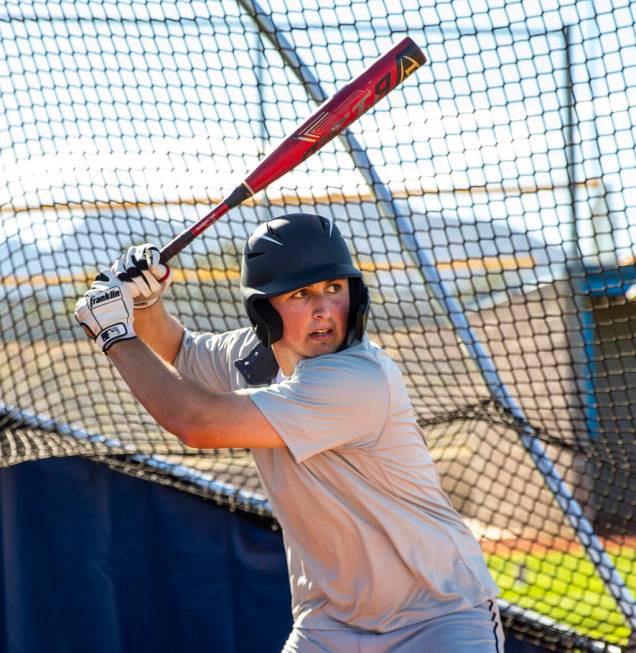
(238, 195)
(175, 246)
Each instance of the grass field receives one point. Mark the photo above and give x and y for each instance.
(564, 586)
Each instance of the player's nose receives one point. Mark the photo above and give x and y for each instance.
(321, 307)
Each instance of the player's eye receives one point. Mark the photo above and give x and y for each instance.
(334, 287)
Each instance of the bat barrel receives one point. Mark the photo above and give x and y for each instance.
(329, 120)
(337, 113)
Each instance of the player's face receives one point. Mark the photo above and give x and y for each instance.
(314, 321)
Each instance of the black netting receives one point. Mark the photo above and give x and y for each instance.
(489, 201)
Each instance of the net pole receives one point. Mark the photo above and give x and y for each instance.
(564, 497)
(386, 205)
(504, 397)
(576, 265)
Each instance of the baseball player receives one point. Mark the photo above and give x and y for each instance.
(379, 561)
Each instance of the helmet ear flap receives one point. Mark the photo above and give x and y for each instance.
(359, 304)
(266, 320)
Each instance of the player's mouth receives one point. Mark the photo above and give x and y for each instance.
(320, 335)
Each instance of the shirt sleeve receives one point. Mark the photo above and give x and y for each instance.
(332, 401)
(204, 357)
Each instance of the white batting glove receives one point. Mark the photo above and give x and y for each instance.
(139, 268)
(106, 311)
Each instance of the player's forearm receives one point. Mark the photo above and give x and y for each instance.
(161, 331)
(198, 417)
(173, 400)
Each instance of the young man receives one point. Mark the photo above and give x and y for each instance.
(379, 561)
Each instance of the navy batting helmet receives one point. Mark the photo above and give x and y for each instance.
(291, 252)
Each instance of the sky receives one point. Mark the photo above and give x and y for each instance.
(162, 102)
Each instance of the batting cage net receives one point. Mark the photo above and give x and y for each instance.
(489, 201)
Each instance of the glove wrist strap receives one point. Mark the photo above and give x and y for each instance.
(115, 333)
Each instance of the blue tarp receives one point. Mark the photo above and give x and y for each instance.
(95, 561)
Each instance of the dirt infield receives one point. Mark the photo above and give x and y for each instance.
(504, 547)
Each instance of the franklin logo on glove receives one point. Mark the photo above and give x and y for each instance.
(106, 310)
(135, 281)
(104, 297)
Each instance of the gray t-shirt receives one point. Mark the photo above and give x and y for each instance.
(372, 540)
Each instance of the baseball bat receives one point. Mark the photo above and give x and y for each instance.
(330, 119)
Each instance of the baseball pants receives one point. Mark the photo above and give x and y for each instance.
(475, 630)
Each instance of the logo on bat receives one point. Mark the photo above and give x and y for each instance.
(329, 123)
(324, 126)
(407, 65)
(318, 128)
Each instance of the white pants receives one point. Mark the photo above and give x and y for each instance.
(475, 630)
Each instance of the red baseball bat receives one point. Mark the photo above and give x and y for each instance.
(329, 120)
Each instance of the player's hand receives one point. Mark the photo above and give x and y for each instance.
(106, 311)
(139, 268)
